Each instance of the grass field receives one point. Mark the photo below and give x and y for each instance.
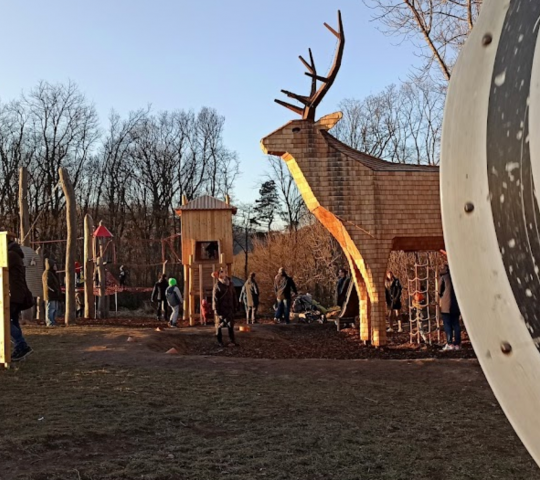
(90, 405)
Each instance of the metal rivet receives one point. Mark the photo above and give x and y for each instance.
(506, 348)
(469, 207)
(487, 39)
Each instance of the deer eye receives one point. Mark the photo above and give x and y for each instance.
(296, 129)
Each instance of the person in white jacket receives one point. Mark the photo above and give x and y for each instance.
(175, 300)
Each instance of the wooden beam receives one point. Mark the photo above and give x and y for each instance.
(200, 291)
(71, 215)
(186, 292)
(89, 303)
(23, 207)
(191, 294)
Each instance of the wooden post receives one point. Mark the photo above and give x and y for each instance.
(200, 292)
(71, 214)
(221, 260)
(40, 306)
(89, 304)
(23, 207)
(184, 200)
(5, 322)
(103, 311)
(104, 304)
(186, 292)
(24, 222)
(191, 292)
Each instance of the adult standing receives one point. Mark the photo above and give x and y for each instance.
(393, 291)
(20, 298)
(52, 293)
(250, 298)
(284, 288)
(224, 304)
(158, 296)
(449, 310)
(123, 276)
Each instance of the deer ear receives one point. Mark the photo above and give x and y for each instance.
(329, 121)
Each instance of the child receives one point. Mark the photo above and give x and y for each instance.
(174, 299)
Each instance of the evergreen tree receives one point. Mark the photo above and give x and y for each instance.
(267, 206)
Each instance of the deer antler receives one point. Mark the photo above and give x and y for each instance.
(310, 103)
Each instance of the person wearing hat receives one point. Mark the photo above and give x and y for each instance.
(18, 298)
(284, 287)
(174, 299)
(224, 304)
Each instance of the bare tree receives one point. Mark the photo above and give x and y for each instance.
(438, 28)
(398, 124)
(244, 230)
(293, 207)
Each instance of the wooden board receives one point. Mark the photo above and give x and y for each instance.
(5, 324)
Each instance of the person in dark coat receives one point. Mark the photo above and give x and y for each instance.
(18, 291)
(123, 276)
(449, 311)
(342, 286)
(52, 293)
(249, 296)
(284, 288)
(159, 297)
(393, 300)
(224, 304)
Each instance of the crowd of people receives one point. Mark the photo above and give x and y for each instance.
(168, 300)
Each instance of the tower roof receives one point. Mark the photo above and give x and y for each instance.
(102, 231)
(206, 202)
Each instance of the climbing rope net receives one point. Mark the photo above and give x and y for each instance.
(424, 316)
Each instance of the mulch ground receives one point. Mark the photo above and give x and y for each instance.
(267, 340)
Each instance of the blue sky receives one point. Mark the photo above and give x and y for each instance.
(232, 55)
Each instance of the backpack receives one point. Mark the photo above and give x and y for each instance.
(172, 297)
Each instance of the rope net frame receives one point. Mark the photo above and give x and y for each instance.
(424, 314)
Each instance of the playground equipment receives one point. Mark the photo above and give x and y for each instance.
(207, 244)
(424, 319)
(369, 205)
(489, 169)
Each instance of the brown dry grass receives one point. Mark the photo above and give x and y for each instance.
(89, 405)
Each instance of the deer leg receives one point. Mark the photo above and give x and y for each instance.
(365, 324)
(376, 290)
(378, 309)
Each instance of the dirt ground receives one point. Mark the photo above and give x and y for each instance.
(89, 404)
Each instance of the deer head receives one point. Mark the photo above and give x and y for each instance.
(283, 139)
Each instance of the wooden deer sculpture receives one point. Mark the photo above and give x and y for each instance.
(369, 205)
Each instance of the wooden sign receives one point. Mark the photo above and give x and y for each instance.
(5, 327)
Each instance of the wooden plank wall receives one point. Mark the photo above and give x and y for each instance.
(207, 225)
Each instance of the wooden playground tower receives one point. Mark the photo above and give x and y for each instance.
(207, 245)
